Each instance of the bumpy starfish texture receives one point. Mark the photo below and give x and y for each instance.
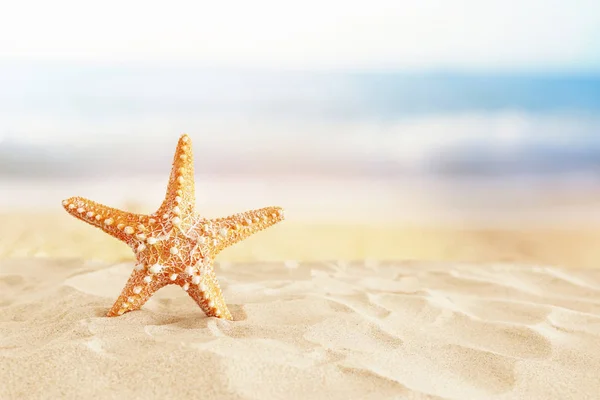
(174, 245)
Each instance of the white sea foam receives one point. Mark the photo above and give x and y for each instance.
(459, 143)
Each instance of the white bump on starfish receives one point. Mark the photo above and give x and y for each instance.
(80, 210)
(90, 214)
(141, 248)
(202, 287)
(196, 279)
(186, 286)
(156, 268)
(181, 179)
(223, 232)
(151, 241)
(183, 157)
(173, 277)
(128, 230)
(141, 236)
(137, 289)
(152, 220)
(201, 240)
(176, 221)
(177, 199)
(165, 216)
(174, 250)
(98, 217)
(120, 227)
(139, 267)
(148, 278)
(176, 210)
(189, 270)
(72, 206)
(108, 221)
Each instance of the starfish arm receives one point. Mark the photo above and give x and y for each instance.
(180, 190)
(137, 291)
(115, 222)
(206, 292)
(235, 228)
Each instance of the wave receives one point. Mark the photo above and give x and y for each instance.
(457, 144)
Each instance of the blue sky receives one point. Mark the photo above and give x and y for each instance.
(375, 34)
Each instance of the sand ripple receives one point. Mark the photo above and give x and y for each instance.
(327, 330)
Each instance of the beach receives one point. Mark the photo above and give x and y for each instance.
(431, 175)
(56, 236)
(322, 330)
(389, 294)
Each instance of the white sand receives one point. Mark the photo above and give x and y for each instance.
(311, 330)
(304, 331)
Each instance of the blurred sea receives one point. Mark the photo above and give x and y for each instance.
(360, 146)
(70, 120)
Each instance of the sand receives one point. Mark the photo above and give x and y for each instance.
(480, 302)
(304, 330)
(555, 223)
(57, 235)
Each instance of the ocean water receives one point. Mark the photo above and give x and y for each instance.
(60, 120)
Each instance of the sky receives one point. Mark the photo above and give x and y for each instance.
(374, 34)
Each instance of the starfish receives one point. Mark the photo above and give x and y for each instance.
(174, 245)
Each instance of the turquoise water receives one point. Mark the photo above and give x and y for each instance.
(52, 116)
(109, 91)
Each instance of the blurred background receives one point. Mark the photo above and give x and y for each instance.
(361, 118)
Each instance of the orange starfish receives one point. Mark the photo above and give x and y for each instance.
(174, 245)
